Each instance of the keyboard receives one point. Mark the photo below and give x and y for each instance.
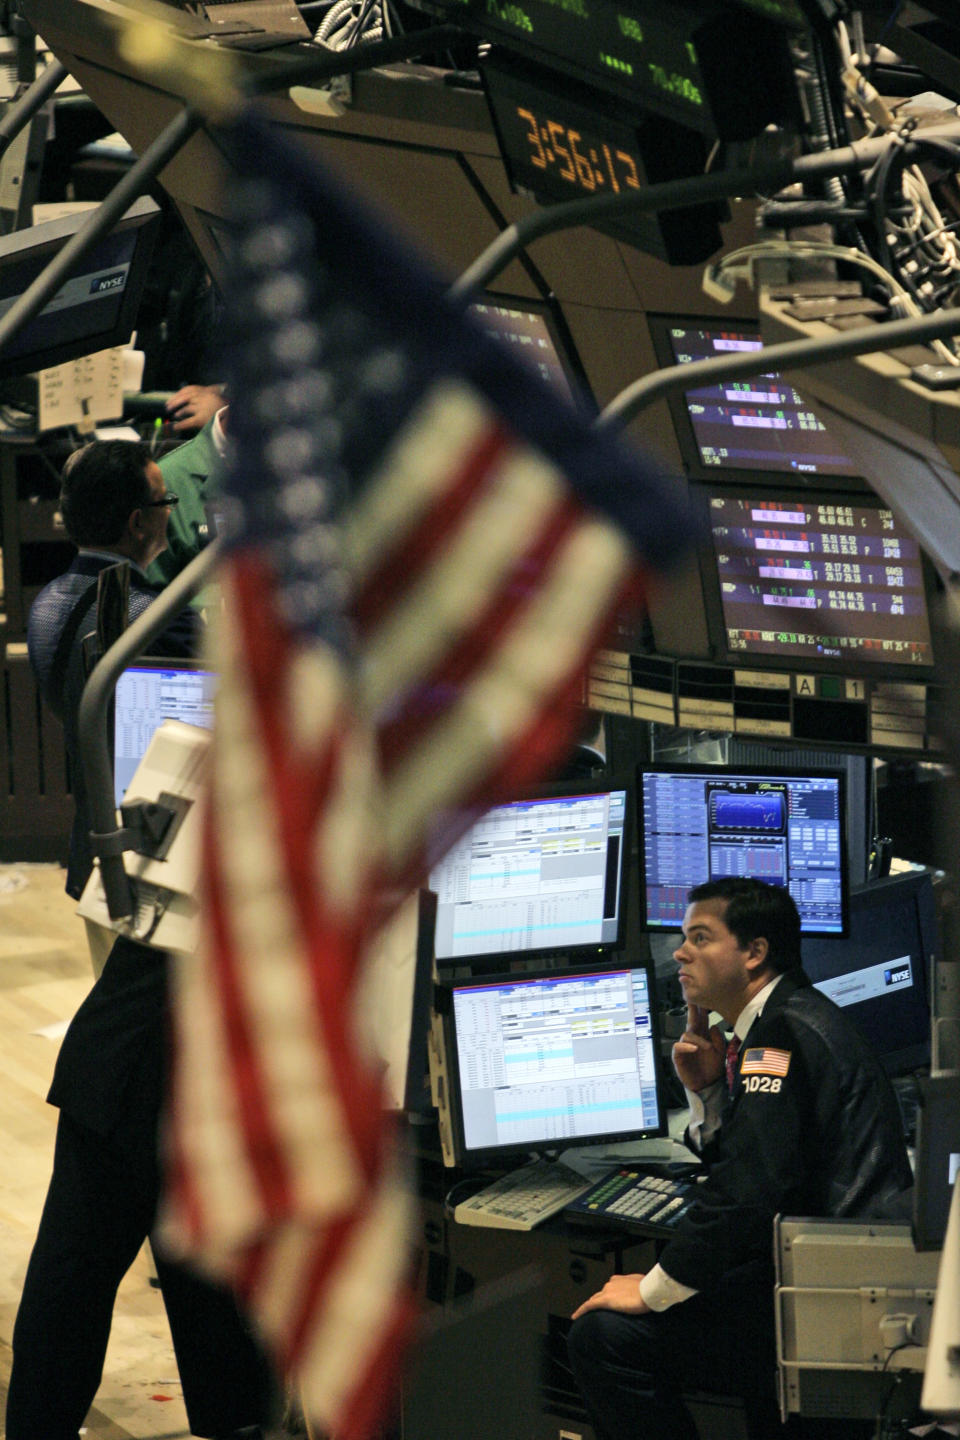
(643, 1201)
(524, 1198)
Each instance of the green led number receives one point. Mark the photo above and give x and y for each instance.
(630, 28)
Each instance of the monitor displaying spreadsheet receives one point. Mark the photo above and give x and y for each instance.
(541, 874)
(550, 1061)
(147, 693)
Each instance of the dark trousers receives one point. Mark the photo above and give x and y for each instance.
(632, 1370)
(100, 1207)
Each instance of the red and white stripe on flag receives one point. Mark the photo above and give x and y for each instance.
(482, 590)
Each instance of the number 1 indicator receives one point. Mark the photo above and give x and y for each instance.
(614, 183)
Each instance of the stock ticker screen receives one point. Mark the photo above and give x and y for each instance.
(702, 823)
(754, 425)
(818, 578)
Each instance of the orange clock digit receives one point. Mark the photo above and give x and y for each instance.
(631, 180)
(584, 169)
(567, 171)
(533, 136)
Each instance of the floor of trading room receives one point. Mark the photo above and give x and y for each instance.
(44, 974)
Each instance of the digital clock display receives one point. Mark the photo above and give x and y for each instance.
(567, 142)
(583, 160)
(559, 150)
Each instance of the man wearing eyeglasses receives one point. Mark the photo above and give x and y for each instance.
(115, 507)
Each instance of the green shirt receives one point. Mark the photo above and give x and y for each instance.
(194, 472)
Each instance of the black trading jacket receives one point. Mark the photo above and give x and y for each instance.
(813, 1129)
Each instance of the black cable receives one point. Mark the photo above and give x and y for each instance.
(883, 1414)
(470, 1184)
(366, 9)
(876, 184)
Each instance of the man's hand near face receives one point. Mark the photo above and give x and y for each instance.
(699, 1055)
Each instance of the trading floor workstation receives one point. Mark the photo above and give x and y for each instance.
(759, 723)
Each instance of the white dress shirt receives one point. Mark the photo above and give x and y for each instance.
(658, 1289)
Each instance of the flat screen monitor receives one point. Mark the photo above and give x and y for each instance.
(95, 308)
(830, 580)
(704, 822)
(542, 1062)
(741, 428)
(148, 693)
(535, 332)
(539, 875)
(938, 1158)
(881, 972)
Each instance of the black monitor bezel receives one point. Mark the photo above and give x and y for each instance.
(905, 1059)
(760, 772)
(489, 962)
(42, 243)
(938, 1141)
(710, 582)
(659, 326)
(492, 1155)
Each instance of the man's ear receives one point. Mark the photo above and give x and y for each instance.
(758, 953)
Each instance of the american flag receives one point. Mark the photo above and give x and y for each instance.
(765, 1062)
(429, 547)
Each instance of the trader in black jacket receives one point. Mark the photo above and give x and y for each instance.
(799, 1119)
(100, 1207)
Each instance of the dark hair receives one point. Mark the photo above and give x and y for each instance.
(101, 485)
(753, 910)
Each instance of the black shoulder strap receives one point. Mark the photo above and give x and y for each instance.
(61, 656)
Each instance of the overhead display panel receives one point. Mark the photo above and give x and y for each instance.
(743, 429)
(817, 579)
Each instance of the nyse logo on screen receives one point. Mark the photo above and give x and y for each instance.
(897, 975)
(103, 283)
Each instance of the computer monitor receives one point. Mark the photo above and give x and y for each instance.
(784, 826)
(543, 874)
(95, 308)
(834, 581)
(548, 1061)
(536, 332)
(882, 971)
(741, 429)
(147, 693)
(938, 1157)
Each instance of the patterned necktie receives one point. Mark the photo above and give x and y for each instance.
(733, 1052)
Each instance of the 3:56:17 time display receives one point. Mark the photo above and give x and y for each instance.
(586, 161)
